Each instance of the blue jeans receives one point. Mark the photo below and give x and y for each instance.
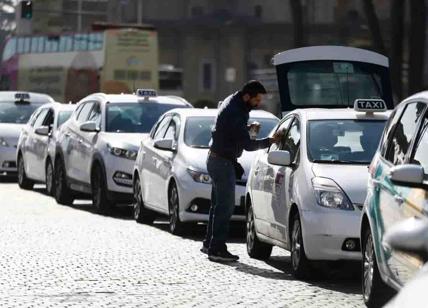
(222, 173)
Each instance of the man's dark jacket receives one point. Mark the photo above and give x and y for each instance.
(230, 135)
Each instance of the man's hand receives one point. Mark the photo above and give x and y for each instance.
(277, 136)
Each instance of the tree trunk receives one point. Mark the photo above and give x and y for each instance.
(396, 50)
(298, 28)
(416, 45)
(374, 26)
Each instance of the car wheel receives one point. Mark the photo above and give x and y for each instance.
(23, 181)
(141, 214)
(99, 192)
(176, 226)
(375, 292)
(255, 248)
(299, 263)
(63, 194)
(49, 178)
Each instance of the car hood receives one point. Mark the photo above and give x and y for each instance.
(124, 140)
(351, 178)
(11, 132)
(197, 158)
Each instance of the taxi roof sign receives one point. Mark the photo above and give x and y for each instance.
(370, 105)
(146, 93)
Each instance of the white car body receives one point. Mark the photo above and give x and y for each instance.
(36, 149)
(80, 150)
(11, 129)
(158, 168)
(277, 193)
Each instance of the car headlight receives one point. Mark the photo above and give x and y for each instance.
(3, 143)
(199, 176)
(119, 152)
(329, 194)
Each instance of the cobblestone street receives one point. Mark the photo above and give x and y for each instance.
(57, 256)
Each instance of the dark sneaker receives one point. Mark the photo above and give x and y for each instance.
(204, 250)
(222, 256)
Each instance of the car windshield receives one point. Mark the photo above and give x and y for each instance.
(18, 113)
(135, 117)
(343, 141)
(332, 83)
(63, 116)
(197, 133)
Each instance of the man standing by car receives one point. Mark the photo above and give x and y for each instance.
(230, 137)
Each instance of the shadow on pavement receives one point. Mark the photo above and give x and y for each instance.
(8, 179)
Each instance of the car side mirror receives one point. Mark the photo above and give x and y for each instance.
(165, 144)
(42, 130)
(280, 158)
(410, 235)
(407, 175)
(89, 126)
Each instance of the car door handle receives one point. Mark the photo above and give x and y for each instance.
(256, 171)
(80, 140)
(67, 134)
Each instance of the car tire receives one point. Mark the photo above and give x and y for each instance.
(141, 214)
(176, 226)
(99, 192)
(63, 194)
(23, 181)
(49, 178)
(375, 292)
(255, 248)
(300, 265)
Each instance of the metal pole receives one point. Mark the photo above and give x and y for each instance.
(79, 15)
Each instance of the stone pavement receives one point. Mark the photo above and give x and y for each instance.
(57, 256)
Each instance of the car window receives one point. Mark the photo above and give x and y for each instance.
(161, 129)
(41, 117)
(16, 112)
(95, 114)
(420, 155)
(403, 133)
(84, 112)
(49, 119)
(33, 117)
(291, 141)
(134, 117)
(387, 133)
(343, 141)
(284, 126)
(63, 116)
(172, 131)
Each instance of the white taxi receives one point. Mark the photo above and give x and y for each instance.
(170, 174)
(15, 111)
(98, 145)
(306, 193)
(36, 145)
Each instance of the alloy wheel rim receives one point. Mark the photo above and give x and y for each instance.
(368, 267)
(250, 230)
(295, 245)
(173, 208)
(137, 199)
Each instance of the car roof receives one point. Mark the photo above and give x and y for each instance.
(420, 95)
(59, 106)
(338, 53)
(35, 98)
(132, 98)
(339, 114)
(206, 112)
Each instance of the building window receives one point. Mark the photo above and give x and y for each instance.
(258, 11)
(207, 75)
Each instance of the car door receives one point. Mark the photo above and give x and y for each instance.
(281, 186)
(75, 144)
(87, 144)
(164, 163)
(263, 179)
(41, 146)
(31, 144)
(390, 196)
(150, 162)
